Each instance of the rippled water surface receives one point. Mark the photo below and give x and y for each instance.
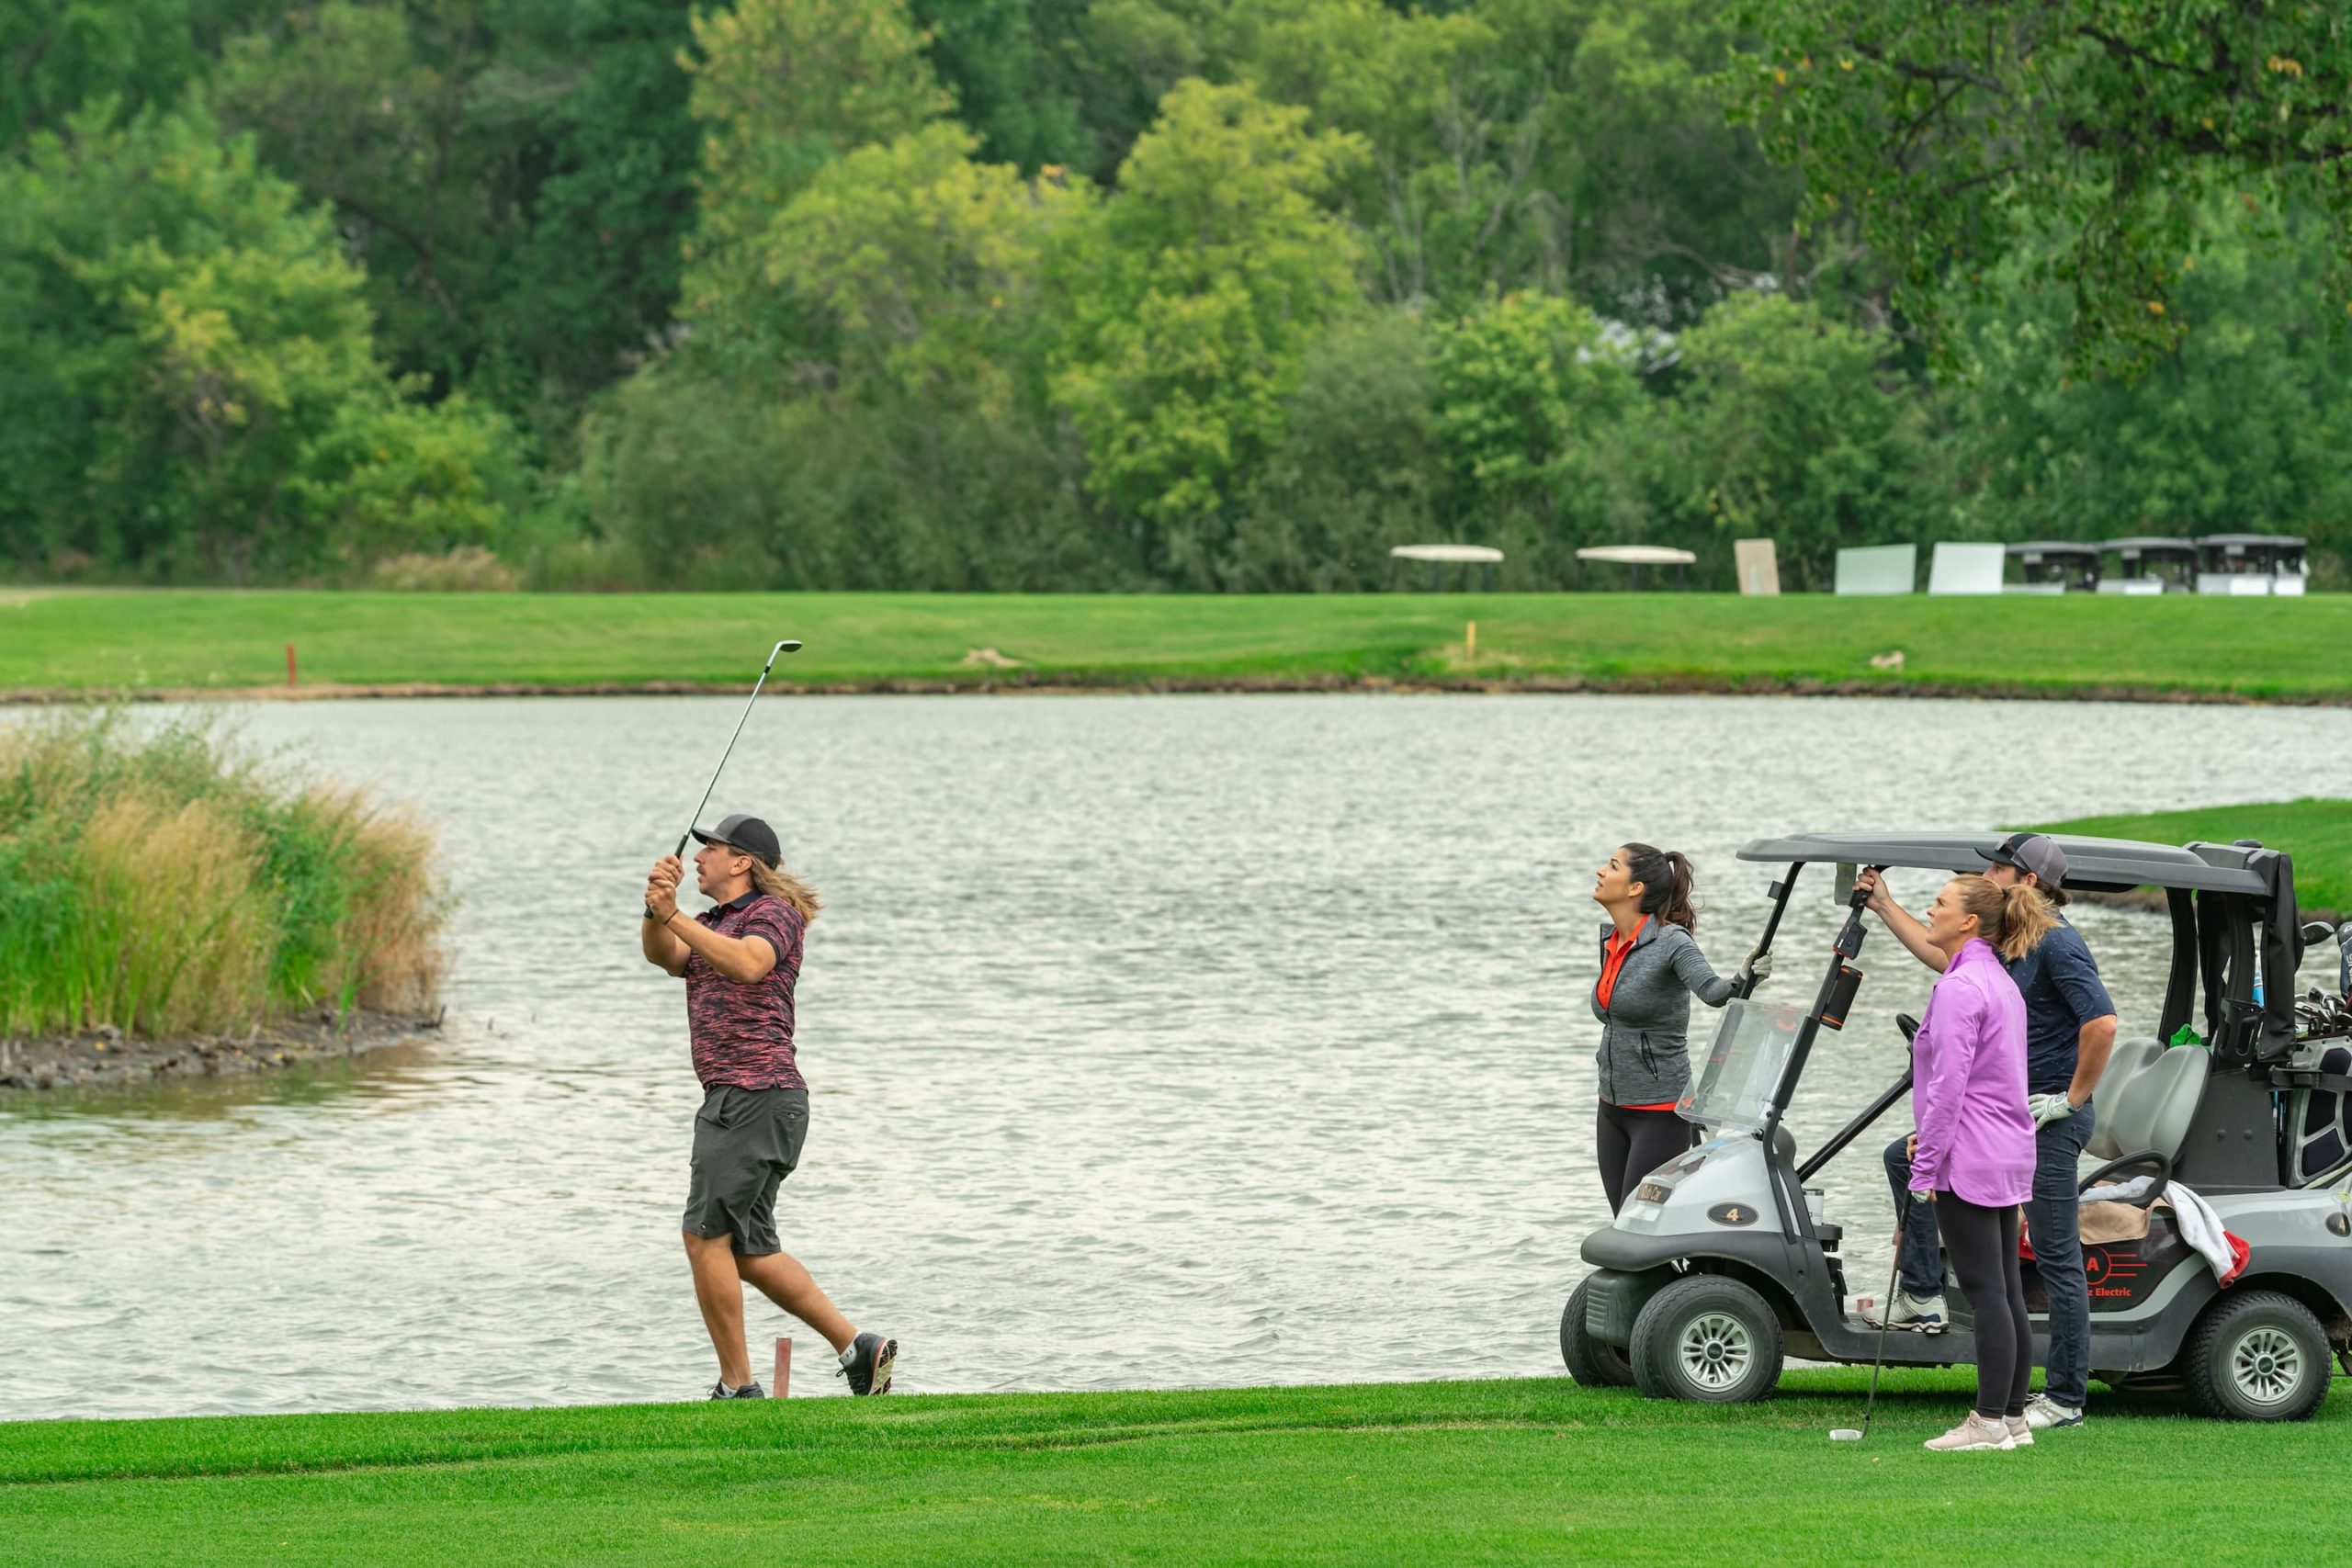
(1153, 1039)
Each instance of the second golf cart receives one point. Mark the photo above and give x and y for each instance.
(1715, 1268)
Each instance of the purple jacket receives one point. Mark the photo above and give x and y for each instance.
(1968, 1085)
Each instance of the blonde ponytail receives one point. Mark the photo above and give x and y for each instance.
(2026, 919)
(778, 883)
(2013, 918)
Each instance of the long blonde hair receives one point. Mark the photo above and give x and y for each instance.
(2013, 918)
(778, 883)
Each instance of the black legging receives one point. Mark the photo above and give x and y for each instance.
(1984, 1248)
(1632, 1143)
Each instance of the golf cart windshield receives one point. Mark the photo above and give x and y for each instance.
(1732, 1092)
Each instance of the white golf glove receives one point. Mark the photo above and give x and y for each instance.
(1757, 967)
(2048, 1108)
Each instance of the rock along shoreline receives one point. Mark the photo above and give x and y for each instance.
(105, 1058)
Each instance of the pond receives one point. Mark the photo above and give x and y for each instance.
(1153, 1041)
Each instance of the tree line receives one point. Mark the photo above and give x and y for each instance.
(1136, 294)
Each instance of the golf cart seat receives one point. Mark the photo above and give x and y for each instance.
(2147, 1098)
(2122, 1065)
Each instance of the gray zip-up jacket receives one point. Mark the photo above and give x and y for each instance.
(1645, 1055)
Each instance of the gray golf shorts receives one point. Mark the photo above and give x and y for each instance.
(746, 1143)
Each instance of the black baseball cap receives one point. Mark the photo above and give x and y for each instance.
(749, 834)
(2036, 852)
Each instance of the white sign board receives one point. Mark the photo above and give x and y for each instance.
(1759, 565)
(1879, 568)
(1967, 569)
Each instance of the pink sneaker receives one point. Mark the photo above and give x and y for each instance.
(1974, 1434)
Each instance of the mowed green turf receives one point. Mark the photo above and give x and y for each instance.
(97, 642)
(1457, 1473)
(2317, 833)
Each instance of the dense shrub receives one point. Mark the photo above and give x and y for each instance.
(161, 882)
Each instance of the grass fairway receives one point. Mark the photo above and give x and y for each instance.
(132, 642)
(1472, 1471)
(2318, 833)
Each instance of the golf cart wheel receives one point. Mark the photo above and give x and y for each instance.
(1592, 1362)
(1708, 1338)
(2258, 1356)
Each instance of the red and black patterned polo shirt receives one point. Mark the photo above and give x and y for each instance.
(742, 1033)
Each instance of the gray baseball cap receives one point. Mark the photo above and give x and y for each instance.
(2036, 852)
(749, 834)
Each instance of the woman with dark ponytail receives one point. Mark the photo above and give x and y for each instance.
(1650, 968)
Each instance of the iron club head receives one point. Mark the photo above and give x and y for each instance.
(1845, 1435)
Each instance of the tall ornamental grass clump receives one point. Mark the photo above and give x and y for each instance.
(158, 880)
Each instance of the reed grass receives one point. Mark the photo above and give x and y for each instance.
(161, 880)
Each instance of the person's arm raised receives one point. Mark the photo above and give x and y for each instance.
(663, 949)
(742, 959)
(1899, 921)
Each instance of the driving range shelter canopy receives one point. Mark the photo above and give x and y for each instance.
(1439, 557)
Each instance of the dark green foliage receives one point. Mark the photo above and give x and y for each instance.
(1359, 467)
(1193, 294)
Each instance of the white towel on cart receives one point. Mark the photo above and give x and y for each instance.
(2200, 1226)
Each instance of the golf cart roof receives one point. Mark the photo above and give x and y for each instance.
(2255, 541)
(2092, 865)
(2032, 548)
(2143, 543)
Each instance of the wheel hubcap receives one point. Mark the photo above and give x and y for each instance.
(2266, 1365)
(1716, 1350)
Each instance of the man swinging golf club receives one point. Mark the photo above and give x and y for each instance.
(2070, 1030)
(738, 960)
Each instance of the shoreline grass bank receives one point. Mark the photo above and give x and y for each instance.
(2317, 832)
(198, 643)
(162, 883)
(1492, 1471)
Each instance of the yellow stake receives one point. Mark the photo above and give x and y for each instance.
(1470, 642)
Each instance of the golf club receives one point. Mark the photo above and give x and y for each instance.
(789, 645)
(1886, 1318)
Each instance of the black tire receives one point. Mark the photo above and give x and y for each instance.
(2258, 1356)
(1592, 1362)
(1706, 1338)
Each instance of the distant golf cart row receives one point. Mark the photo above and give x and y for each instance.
(2230, 565)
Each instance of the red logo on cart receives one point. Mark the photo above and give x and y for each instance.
(2118, 1272)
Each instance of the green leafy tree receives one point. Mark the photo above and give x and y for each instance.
(1190, 307)
(1532, 400)
(1009, 67)
(183, 335)
(781, 87)
(1787, 425)
(1359, 467)
(515, 178)
(56, 55)
(2242, 428)
(924, 272)
(1962, 135)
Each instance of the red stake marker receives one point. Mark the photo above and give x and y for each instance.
(782, 1368)
(290, 664)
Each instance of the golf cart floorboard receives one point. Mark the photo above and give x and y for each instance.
(1905, 1346)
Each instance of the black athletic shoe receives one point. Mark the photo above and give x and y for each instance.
(869, 1365)
(748, 1390)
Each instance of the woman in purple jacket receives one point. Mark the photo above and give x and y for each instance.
(1973, 1156)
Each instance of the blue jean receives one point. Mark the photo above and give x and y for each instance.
(2054, 1219)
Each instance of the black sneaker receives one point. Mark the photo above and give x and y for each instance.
(748, 1390)
(871, 1358)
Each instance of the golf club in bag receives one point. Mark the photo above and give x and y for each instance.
(789, 645)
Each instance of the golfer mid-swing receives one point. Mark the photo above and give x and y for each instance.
(738, 961)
